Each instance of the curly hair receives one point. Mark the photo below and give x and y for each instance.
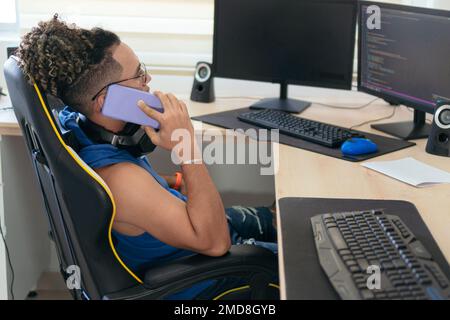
(69, 62)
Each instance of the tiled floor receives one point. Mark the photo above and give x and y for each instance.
(51, 286)
(51, 295)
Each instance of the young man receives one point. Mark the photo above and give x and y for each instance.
(154, 222)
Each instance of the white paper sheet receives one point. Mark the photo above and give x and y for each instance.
(410, 171)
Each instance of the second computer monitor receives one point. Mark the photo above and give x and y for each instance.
(404, 59)
(305, 42)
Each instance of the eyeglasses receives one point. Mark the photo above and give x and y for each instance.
(142, 74)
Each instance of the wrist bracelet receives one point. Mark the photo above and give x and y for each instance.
(179, 179)
(192, 161)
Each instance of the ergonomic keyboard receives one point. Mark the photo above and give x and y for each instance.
(313, 131)
(357, 249)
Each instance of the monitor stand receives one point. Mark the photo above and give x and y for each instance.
(282, 103)
(417, 129)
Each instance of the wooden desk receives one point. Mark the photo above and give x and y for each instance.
(306, 174)
(8, 121)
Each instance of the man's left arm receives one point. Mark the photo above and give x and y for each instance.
(172, 180)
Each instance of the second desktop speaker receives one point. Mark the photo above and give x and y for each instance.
(439, 139)
(203, 87)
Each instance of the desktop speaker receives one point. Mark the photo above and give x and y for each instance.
(203, 87)
(439, 139)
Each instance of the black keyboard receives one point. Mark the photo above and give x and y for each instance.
(355, 247)
(313, 131)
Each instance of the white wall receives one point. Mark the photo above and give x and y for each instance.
(441, 4)
(26, 224)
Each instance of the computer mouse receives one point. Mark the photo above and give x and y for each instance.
(358, 146)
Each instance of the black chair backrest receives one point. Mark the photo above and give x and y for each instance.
(79, 205)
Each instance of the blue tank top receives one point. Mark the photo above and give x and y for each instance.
(137, 252)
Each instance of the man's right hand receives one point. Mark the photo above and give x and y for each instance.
(175, 116)
(144, 205)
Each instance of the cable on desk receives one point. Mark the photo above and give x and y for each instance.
(10, 263)
(6, 108)
(242, 97)
(319, 103)
(376, 120)
(347, 108)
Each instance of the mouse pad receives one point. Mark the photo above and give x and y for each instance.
(304, 276)
(229, 120)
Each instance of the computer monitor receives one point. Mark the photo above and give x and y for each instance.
(303, 42)
(10, 51)
(405, 62)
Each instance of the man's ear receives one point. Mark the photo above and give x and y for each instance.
(98, 103)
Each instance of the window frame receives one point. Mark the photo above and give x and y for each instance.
(4, 26)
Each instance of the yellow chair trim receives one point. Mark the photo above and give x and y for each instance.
(95, 177)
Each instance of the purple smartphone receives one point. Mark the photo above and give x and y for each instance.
(121, 104)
